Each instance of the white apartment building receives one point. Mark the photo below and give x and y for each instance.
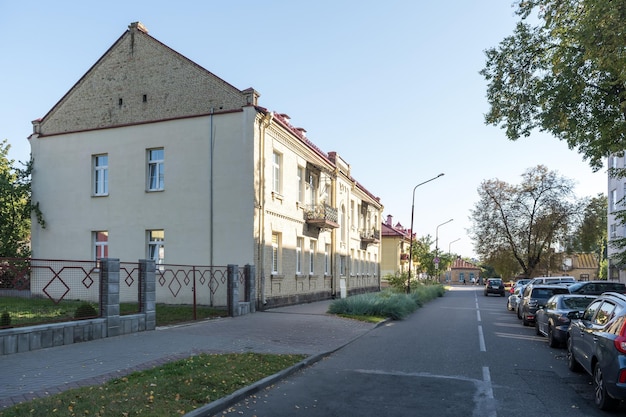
(616, 201)
(149, 155)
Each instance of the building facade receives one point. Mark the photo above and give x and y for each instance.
(396, 241)
(616, 194)
(149, 155)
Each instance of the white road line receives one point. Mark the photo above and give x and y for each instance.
(486, 407)
(481, 339)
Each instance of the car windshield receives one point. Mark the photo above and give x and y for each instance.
(576, 303)
(547, 292)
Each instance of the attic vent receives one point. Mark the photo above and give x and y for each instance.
(120, 101)
(145, 98)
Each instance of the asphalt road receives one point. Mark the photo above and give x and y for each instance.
(461, 355)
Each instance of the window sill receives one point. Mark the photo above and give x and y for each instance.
(156, 191)
(100, 195)
(276, 196)
(277, 277)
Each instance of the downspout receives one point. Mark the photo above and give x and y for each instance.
(211, 155)
(264, 123)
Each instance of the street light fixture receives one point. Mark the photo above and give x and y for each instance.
(408, 281)
(450, 244)
(437, 246)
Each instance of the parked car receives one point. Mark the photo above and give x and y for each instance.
(596, 343)
(552, 319)
(494, 286)
(567, 280)
(519, 283)
(535, 296)
(514, 299)
(597, 287)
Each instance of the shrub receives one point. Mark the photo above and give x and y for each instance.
(5, 319)
(85, 310)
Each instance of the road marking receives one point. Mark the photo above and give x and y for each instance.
(485, 401)
(481, 339)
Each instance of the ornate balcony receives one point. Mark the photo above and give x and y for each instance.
(404, 257)
(322, 216)
(370, 236)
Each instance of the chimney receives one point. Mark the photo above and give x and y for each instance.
(389, 220)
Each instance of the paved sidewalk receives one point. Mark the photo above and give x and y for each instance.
(301, 329)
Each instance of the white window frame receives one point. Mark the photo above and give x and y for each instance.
(275, 252)
(327, 259)
(156, 246)
(300, 173)
(156, 169)
(101, 175)
(312, 248)
(277, 163)
(299, 254)
(613, 199)
(101, 246)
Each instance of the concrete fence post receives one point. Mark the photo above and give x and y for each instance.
(233, 290)
(110, 295)
(250, 272)
(147, 281)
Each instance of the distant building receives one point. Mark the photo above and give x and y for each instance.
(395, 241)
(462, 272)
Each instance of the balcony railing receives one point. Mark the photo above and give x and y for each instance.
(370, 236)
(322, 216)
(404, 256)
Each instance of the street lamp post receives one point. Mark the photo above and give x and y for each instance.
(450, 244)
(449, 276)
(408, 281)
(437, 246)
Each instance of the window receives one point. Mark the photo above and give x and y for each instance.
(613, 201)
(613, 230)
(276, 172)
(342, 265)
(327, 259)
(342, 224)
(605, 313)
(156, 246)
(312, 247)
(156, 169)
(312, 183)
(101, 175)
(352, 217)
(300, 175)
(299, 247)
(275, 252)
(101, 244)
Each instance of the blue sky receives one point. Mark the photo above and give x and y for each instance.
(393, 87)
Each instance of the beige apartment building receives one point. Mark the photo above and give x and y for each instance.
(396, 244)
(151, 156)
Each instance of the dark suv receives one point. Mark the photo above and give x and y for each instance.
(494, 286)
(597, 287)
(534, 297)
(596, 343)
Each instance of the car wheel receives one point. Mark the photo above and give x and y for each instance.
(502, 294)
(508, 306)
(486, 293)
(602, 398)
(524, 320)
(537, 328)
(572, 363)
(519, 315)
(551, 339)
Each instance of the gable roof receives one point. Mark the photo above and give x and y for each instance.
(460, 263)
(140, 80)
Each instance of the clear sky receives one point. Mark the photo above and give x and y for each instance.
(391, 86)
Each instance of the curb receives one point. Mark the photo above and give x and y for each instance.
(222, 404)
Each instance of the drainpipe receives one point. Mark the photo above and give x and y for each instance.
(211, 152)
(264, 123)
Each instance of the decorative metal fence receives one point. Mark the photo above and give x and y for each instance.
(34, 291)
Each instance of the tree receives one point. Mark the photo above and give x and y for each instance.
(590, 236)
(524, 220)
(565, 75)
(15, 206)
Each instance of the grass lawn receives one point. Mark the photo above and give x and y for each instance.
(172, 389)
(29, 311)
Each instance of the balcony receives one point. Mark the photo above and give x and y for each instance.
(322, 216)
(370, 236)
(404, 257)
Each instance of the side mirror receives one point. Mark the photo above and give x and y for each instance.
(574, 315)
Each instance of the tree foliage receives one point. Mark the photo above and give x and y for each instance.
(590, 235)
(564, 74)
(424, 257)
(15, 206)
(523, 221)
